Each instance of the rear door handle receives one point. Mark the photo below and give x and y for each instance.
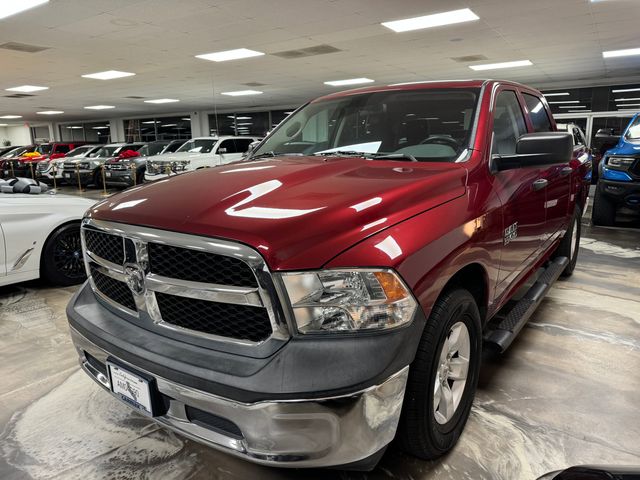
(540, 184)
(566, 171)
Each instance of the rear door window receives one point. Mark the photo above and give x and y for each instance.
(537, 113)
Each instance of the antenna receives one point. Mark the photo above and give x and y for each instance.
(215, 104)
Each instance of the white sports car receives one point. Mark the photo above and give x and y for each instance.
(40, 237)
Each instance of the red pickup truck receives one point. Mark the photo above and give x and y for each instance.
(333, 292)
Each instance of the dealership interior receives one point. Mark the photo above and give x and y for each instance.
(124, 353)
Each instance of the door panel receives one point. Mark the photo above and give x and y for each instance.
(523, 209)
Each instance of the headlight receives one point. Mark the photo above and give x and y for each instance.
(620, 162)
(348, 300)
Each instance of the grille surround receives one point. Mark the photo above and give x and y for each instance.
(267, 322)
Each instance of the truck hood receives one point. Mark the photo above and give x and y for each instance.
(298, 212)
(625, 147)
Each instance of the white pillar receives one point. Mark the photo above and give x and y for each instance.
(199, 124)
(116, 126)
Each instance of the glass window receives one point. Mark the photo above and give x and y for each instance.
(152, 129)
(431, 125)
(227, 146)
(173, 146)
(61, 149)
(508, 123)
(198, 146)
(614, 125)
(277, 116)
(633, 132)
(80, 151)
(252, 123)
(223, 124)
(242, 144)
(537, 113)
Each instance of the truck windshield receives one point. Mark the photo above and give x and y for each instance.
(44, 149)
(633, 132)
(430, 125)
(197, 146)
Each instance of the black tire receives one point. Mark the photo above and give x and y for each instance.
(567, 247)
(419, 433)
(140, 175)
(61, 261)
(604, 210)
(97, 178)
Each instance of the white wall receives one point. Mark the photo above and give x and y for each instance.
(17, 135)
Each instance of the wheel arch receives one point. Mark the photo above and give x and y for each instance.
(50, 236)
(474, 278)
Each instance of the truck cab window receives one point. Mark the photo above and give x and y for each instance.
(538, 113)
(508, 123)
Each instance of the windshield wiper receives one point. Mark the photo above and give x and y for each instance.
(351, 153)
(393, 156)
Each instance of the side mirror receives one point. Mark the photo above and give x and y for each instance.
(537, 149)
(222, 151)
(252, 147)
(605, 139)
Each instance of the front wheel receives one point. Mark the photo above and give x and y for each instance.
(604, 210)
(443, 377)
(61, 262)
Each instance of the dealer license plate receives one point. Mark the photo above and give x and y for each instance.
(131, 388)
(67, 175)
(107, 174)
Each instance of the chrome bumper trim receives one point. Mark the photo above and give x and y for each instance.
(320, 432)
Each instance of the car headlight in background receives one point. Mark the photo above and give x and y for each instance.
(620, 162)
(348, 300)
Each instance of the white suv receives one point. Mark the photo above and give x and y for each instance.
(200, 152)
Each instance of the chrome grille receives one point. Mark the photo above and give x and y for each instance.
(201, 290)
(196, 266)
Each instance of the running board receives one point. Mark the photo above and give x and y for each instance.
(518, 316)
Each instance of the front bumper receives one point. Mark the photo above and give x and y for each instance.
(623, 193)
(71, 176)
(152, 177)
(125, 178)
(322, 432)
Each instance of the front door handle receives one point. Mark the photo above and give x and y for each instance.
(540, 184)
(566, 171)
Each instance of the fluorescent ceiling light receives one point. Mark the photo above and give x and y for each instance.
(11, 116)
(230, 55)
(240, 93)
(162, 100)
(288, 113)
(629, 105)
(75, 127)
(188, 119)
(11, 8)
(243, 118)
(572, 106)
(245, 123)
(4, 124)
(578, 111)
(348, 81)
(151, 122)
(564, 101)
(454, 121)
(621, 53)
(26, 88)
(434, 20)
(621, 90)
(108, 75)
(99, 128)
(558, 94)
(170, 125)
(50, 112)
(626, 99)
(99, 107)
(493, 66)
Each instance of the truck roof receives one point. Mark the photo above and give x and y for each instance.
(406, 86)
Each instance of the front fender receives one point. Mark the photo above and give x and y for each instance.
(430, 248)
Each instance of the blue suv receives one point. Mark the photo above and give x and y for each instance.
(619, 176)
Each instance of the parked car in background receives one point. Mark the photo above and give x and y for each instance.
(88, 171)
(40, 237)
(47, 170)
(126, 172)
(27, 164)
(581, 152)
(619, 177)
(7, 149)
(306, 306)
(197, 153)
(6, 166)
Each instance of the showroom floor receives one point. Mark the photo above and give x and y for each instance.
(565, 393)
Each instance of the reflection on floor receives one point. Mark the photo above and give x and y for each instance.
(567, 392)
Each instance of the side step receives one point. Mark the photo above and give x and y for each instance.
(518, 316)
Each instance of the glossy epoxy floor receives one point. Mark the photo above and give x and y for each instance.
(567, 392)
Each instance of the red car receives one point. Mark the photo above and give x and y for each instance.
(304, 307)
(26, 165)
